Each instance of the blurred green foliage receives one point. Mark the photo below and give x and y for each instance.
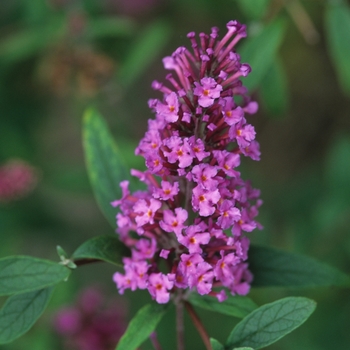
(59, 56)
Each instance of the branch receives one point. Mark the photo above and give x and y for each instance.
(199, 325)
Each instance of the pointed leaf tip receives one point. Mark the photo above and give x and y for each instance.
(104, 162)
(271, 322)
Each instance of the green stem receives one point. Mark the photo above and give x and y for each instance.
(155, 341)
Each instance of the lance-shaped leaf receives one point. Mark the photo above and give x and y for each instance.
(273, 268)
(21, 274)
(102, 27)
(274, 89)
(260, 51)
(141, 326)
(270, 322)
(254, 9)
(147, 47)
(237, 306)
(20, 312)
(29, 42)
(104, 163)
(338, 29)
(216, 345)
(106, 248)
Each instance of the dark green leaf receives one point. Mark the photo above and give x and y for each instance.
(104, 163)
(254, 9)
(260, 52)
(20, 312)
(338, 29)
(274, 89)
(338, 169)
(216, 345)
(141, 326)
(21, 274)
(237, 306)
(271, 322)
(107, 248)
(148, 46)
(273, 268)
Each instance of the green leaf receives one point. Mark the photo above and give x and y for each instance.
(29, 41)
(141, 326)
(107, 248)
(216, 345)
(254, 9)
(260, 52)
(271, 322)
(337, 170)
(337, 23)
(274, 89)
(147, 47)
(109, 27)
(104, 163)
(21, 274)
(237, 306)
(244, 348)
(61, 252)
(20, 312)
(273, 268)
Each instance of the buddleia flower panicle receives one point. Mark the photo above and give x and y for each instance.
(192, 216)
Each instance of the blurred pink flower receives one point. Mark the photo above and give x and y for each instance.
(92, 323)
(17, 179)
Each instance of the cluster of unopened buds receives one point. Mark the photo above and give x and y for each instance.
(185, 230)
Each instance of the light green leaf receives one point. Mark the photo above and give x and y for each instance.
(260, 52)
(337, 23)
(216, 345)
(104, 163)
(237, 306)
(271, 322)
(254, 9)
(20, 312)
(29, 41)
(107, 248)
(35, 11)
(274, 89)
(244, 348)
(21, 274)
(109, 27)
(141, 326)
(272, 268)
(146, 48)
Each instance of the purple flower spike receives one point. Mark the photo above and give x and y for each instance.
(196, 208)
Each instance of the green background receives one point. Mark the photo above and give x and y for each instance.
(58, 57)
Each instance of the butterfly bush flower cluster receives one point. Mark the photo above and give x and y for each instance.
(185, 231)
